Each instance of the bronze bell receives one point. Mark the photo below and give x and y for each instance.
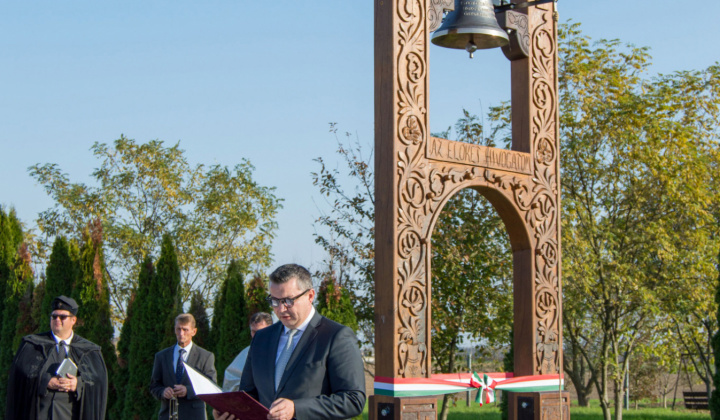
(471, 26)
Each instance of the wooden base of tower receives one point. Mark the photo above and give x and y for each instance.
(382, 407)
(551, 405)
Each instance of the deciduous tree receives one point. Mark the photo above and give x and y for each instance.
(636, 158)
(142, 191)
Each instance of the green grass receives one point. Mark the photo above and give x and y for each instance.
(492, 412)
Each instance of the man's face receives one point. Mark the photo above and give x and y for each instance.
(257, 327)
(62, 323)
(184, 333)
(292, 317)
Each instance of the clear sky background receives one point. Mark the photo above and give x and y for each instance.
(260, 80)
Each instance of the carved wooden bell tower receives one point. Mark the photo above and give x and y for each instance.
(416, 174)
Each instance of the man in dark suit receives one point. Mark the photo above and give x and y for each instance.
(169, 379)
(305, 366)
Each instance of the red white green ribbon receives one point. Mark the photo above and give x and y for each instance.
(486, 384)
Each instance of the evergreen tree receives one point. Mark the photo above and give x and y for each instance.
(122, 374)
(334, 302)
(202, 320)
(61, 272)
(157, 303)
(257, 292)
(217, 317)
(142, 345)
(166, 292)
(234, 333)
(10, 239)
(91, 293)
(15, 276)
(39, 318)
(26, 324)
(21, 277)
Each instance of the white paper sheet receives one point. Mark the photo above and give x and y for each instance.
(201, 384)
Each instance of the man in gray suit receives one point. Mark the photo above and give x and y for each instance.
(169, 379)
(305, 366)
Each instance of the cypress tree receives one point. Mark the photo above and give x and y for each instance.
(234, 333)
(166, 292)
(157, 305)
(21, 277)
(257, 292)
(10, 239)
(39, 318)
(7, 254)
(143, 344)
(202, 320)
(93, 296)
(26, 323)
(334, 302)
(61, 273)
(122, 374)
(15, 277)
(218, 310)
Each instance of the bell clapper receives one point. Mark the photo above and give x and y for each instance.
(471, 48)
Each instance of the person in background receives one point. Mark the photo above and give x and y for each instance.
(231, 381)
(169, 378)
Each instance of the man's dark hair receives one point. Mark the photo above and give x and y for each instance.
(261, 317)
(287, 272)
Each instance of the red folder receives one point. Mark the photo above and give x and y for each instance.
(238, 403)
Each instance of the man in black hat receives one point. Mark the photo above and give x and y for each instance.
(37, 392)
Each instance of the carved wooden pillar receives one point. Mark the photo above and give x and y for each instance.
(415, 175)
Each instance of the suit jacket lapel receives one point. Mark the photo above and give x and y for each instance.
(169, 367)
(270, 356)
(302, 346)
(192, 360)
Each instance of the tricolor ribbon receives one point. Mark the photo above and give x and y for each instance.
(485, 386)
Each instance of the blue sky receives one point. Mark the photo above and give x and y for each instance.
(258, 80)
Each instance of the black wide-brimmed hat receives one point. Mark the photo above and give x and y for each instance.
(65, 303)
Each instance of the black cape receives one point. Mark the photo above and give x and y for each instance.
(28, 377)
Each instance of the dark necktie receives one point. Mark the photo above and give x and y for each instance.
(179, 369)
(62, 349)
(284, 358)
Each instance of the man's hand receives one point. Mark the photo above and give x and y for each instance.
(54, 383)
(68, 384)
(281, 409)
(180, 391)
(224, 416)
(168, 393)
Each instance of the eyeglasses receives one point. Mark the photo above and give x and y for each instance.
(62, 317)
(288, 301)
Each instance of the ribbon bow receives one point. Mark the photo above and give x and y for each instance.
(484, 385)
